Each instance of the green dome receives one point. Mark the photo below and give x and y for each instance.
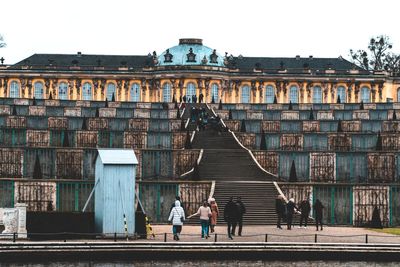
(190, 52)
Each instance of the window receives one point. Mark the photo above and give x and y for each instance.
(63, 91)
(365, 95)
(110, 91)
(167, 92)
(214, 92)
(341, 92)
(14, 89)
(87, 91)
(317, 95)
(135, 92)
(38, 90)
(294, 94)
(398, 94)
(246, 94)
(190, 91)
(269, 94)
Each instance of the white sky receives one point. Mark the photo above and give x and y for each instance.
(323, 28)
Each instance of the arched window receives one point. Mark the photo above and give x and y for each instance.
(398, 94)
(166, 92)
(63, 91)
(110, 91)
(87, 91)
(294, 94)
(269, 94)
(14, 89)
(190, 91)
(214, 92)
(365, 95)
(317, 95)
(135, 92)
(245, 94)
(341, 92)
(38, 90)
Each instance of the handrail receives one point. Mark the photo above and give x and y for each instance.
(198, 162)
(187, 123)
(212, 190)
(280, 192)
(192, 137)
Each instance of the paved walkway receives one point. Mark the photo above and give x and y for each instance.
(191, 233)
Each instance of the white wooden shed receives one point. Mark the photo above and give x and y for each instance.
(115, 191)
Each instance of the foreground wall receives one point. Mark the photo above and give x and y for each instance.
(350, 204)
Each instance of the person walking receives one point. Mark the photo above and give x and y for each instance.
(205, 213)
(305, 209)
(318, 209)
(290, 209)
(280, 210)
(177, 217)
(214, 214)
(241, 210)
(230, 215)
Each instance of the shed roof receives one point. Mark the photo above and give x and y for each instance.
(117, 156)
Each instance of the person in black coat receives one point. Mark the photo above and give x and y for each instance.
(305, 209)
(201, 96)
(230, 215)
(241, 210)
(290, 209)
(280, 210)
(318, 211)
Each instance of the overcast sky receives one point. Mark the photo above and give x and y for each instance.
(264, 28)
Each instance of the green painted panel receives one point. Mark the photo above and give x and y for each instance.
(301, 160)
(351, 167)
(7, 194)
(315, 142)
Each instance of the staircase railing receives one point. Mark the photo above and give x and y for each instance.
(198, 162)
(248, 150)
(212, 190)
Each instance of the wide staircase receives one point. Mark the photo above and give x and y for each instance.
(236, 174)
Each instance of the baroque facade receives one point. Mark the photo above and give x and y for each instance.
(191, 68)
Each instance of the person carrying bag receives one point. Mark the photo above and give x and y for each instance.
(177, 217)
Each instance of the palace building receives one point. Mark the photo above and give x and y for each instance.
(191, 68)
(278, 129)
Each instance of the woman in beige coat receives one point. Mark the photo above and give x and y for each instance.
(214, 213)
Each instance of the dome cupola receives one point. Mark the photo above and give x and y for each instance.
(190, 51)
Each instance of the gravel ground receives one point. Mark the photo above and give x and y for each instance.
(253, 233)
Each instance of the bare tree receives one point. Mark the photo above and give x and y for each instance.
(2, 43)
(378, 56)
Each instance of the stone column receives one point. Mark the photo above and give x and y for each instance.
(21, 229)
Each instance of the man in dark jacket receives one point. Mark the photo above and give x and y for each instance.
(318, 212)
(290, 209)
(280, 210)
(305, 209)
(230, 215)
(241, 210)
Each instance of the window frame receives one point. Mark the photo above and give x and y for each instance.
(342, 100)
(269, 88)
(166, 92)
(14, 89)
(365, 89)
(87, 86)
(294, 89)
(215, 92)
(317, 95)
(66, 91)
(134, 97)
(245, 94)
(35, 88)
(114, 90)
